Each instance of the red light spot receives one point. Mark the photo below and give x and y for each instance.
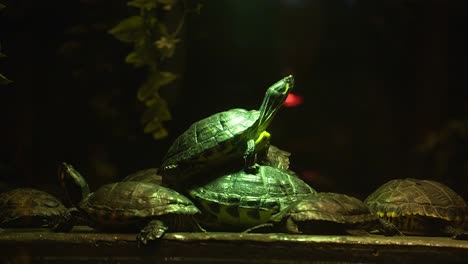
(293, 100)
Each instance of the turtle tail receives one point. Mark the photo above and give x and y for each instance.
(73, 183)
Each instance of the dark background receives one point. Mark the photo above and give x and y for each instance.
(384, 87)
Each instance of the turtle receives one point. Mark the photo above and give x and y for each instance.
(131, 206)
(146, 175)
(232, 136)
(275, 157)
(240, 200)
(31, 208)
(419, 207)
(329, 213)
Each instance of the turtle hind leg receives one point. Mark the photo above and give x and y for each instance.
(69, 221)
(455, 233)
(152, 231)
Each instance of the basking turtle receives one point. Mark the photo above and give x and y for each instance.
(31, 208)
(147, 175)
(275, 157)
(330, 213)
(419, 207)
(223, 138)
(130, 206)
(241, 200)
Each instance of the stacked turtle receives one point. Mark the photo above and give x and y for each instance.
(226, 165)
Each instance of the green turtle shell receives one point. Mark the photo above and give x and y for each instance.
(31, 208)
(147, 175)
(125, 204)
(217, 138)
(417, 206)
(241, 200)
(326, 212)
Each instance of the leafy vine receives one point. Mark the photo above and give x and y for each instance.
(152, 44)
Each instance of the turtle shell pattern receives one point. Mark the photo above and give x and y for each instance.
(31, 208)
(400, 200)
(147, 175)
(215, 138)
(122, 204)
(242, 199)
(324, 206)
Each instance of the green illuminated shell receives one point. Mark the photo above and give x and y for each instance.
(222, 138)
(241, 200)
(31, 208)
(419, 207)
(327, 213)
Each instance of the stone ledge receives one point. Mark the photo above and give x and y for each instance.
(85, 246)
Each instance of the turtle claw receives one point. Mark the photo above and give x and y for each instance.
(253, 169)
(455, 233)
(249, 154)
(389, 229)
(259, 228)
(154, 230)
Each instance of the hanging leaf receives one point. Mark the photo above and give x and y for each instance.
(160, 133)
(152, 84)
(4, 80)
(2, 6)
(2, 55)
(136, 59)
(156, 128)
(144, 4)
(147, 89)
(159, 109)
(129, 29)
(164, 78)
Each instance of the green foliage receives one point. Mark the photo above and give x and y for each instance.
(3, 79)
(152, 44)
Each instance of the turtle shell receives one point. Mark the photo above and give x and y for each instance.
(147, 175)
(242, 200)
(417, 205)
(123, 204)
(216, 138)
(326, 212)
(31, 208)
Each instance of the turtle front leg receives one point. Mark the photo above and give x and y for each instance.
(254, 146)
(68, 222)
(389, 229)
(250, 157)
(152, 231)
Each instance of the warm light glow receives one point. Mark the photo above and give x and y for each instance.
(293, 100)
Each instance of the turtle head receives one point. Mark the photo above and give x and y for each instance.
(273, 100)
(73, 183)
